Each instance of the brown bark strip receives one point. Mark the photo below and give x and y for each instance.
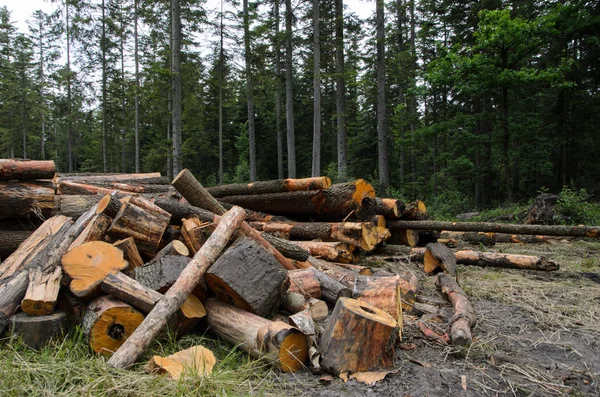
(464, 316)
(130, 252)
(94, 231)
(21, 170)
(332, 251)
(42, 292)
(275, 186)
(178, 293)
(22, 198)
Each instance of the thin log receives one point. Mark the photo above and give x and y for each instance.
(152, 178)
(332, 288)
(42, 292)
(23, 198)
(137, 343)
(548, 230)
(332, 251)
(464, 316)
(22, 170)
(95, 230)
(275, 186)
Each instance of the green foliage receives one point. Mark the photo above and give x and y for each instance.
(574, 207)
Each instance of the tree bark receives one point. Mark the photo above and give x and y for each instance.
(464, 315)
(22, 198)
(277, 46)
(340, 96)
(390, 208)
(332, 251)
(382, 292)
(438, 255)
(178, 293)
(130, 252)
(37, 331)
(289, 91)
(249, 93)
(137, 86)
(24, 170)
(176, 83)
(316, 146)
(274, 186)
(94, 231)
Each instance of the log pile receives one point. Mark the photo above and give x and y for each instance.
(129, 255)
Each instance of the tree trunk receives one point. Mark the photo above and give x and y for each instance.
(277, 46)
(176, 83)
(289, 91)
(382, 139)
(316, 147)
(221, 82)
(464, 315)
(104, 89)
(249, 93)
(340, 97)
(22, 170)
(69, 99)
(137, 86)
(274, 186)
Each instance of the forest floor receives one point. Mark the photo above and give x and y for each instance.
(538, 334)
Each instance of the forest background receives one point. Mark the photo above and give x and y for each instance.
(466, 105)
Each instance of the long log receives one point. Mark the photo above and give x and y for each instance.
(156, 320)
(548, 230)
(22, 198)
(152, 177)
(22, 170)
(464, 316)
(334, 251)
(334, 203)
(197, 195)
(275, 186)
(279, 343)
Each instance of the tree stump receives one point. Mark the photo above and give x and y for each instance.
(542, 210)
(358, 338)
(37, 331)
(248, 276)
(108, 322)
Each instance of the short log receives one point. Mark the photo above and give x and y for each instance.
(130, 252)
(42, 292)
(37, 331)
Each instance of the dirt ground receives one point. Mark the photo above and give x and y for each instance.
(538, 333)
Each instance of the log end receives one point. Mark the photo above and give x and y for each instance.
(113, 327)
(37, 308)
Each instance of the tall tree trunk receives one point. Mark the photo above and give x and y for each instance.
(401, 20)
(103, 51)
(506, 146)
(23, 115)
(340, 98)
(249, 94)
(169, 137)
(277, 45)
(221, 59)
(382, 141)
(42, 99)
(69, 99)
(289, 92)
(316, 149)
(137, 86)
(123, 114)
(176, 83)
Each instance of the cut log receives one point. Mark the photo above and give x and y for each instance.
(289, 249)
(130, 252)
(294, 302)
(109, 205)
(88, 264)
(486, 239)
(75, 188)
(359, 234)
(37, 331)
(74, 206)
(142, 220)
(179, 292)
(393, 250)
(522, 238)
(21, 198)
(25, 170)
(464, 316)
(381, 292)
(108, 322)
(511, 261)
(282, 345)
(248, 276)
(195, 233)
(197, 360)
(11, 240)
(305, 282)
(42, 292)
(335, 203)
(389, 208)
(94, 231)
(407, 237)
(555, 230)
(331, 251)
(437, 255)
(358, 338)
(197, 195)
(73, 307)
(153, 178)
(415, 210)
(275, 186)
(332, 288)
(175, 247)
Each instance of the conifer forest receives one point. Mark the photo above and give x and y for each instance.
(474, 103)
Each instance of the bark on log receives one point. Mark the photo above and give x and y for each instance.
(88, 265)
(522, 238)
(287, 248)
(42, 292)
(142, 220)
(331, 287)
(282, 345)
(37, 331)
(275, 186)
(196, 194)
(332, 251)
(556, 230)
(393, 250)
(23, 198)
(175, 247)
(178, 293)
(359, 234)
(258, 216)
(381, 292)
(486, 239)
(194, 233)
(305, 282)
(109, 205)
(74, 206)
(150, 178)
(464, 316)
(73, 307)
(23, 170)
(438, 255)
(358, 338)
(75, 188)
(108, 322)
(415, 210)
(11, 240)
(130, 252)
(294, 302)
(94, 231)
(389, 208)
(248, 276)
(335, 203)
(407, 237)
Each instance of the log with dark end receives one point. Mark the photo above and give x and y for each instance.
(37, 331)
(389, 208)
(464, 316)
(438, 255)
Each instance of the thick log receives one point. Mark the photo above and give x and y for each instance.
(358, 234)
(88, 265)
(94, 231)
(197, 195)
(248, 276)
(194, 233)
(464, 316)
(109, 205)
(23, 198)
(130, 252)
(282, 345)
(409, 237)
(142, 220)
(42, 292)
(358, 338)
(381, 292)
(415, 210)
(332, 251)
(305, 282)
(556, 230)
(197, 361)
(24, 170)
(389, 208)
(335, 203)
(179, 292)
(37, 331)
(74, 206)
(108, 322)
(289, 249)
(275, 186)
(439, 255)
